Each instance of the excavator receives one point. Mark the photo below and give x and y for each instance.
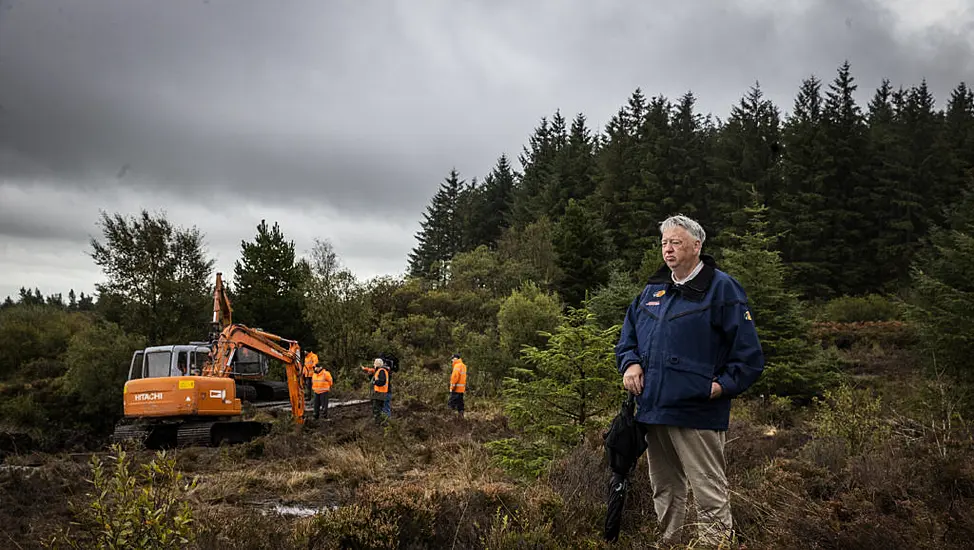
(186, 395)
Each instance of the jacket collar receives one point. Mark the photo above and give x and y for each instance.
(696, 288)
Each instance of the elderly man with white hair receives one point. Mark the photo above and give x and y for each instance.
(688, 346)
(379, 373)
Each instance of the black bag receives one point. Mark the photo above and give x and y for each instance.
(625, 442)
(390, 361)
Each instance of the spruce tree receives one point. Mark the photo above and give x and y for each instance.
(628, 191)
(748, 157)
(851, 220)
(441, 233)
(752, 259)
(267, 283)
(942, 295)
(530, 200)
(898, 227)
(583, 253)
(799, 222)
(498, 195)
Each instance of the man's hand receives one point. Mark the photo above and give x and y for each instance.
(715, 390)
(632, 379)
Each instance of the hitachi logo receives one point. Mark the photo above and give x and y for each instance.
(154, 396)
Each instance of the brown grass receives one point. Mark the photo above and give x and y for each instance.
(426, 481)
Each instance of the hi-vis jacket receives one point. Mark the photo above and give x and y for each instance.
(310, 360)
(458, 379)
(380, 381)
(686, 337)
(321, 381)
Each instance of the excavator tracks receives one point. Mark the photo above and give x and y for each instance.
(190, 434)
(130, 432)
(195, 435)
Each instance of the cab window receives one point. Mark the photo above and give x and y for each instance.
(157, 363)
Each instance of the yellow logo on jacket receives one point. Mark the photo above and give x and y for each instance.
(747, 315)
(659, 293)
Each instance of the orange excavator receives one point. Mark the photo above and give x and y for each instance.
(179, 395)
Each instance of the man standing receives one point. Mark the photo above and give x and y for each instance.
(688, 346)
(380, 388)
(321, 382)
(458, 385)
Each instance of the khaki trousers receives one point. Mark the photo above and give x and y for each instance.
(679, 457)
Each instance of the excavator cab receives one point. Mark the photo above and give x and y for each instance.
(173, 360)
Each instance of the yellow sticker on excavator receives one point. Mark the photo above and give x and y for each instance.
(187, 384)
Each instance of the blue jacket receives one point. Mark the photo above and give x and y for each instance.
(685, 337)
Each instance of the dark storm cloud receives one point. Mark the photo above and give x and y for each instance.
(344, 116)
(368, 104)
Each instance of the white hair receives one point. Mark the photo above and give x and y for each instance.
(693, 228)
(377, 363)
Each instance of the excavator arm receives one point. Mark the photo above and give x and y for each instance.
(287, 351)
(222, 312)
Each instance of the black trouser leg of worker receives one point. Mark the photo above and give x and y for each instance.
(317, 405)
(321, 404)
(377, 405)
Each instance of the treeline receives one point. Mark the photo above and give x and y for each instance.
(829, 201)
(851, 191)
(74, 302)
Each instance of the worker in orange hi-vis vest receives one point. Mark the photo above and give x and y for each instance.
(458, 385)
(379, 374)
(321, 382)
(310, 360)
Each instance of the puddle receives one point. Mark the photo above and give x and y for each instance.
(22, 469)
(295, 510)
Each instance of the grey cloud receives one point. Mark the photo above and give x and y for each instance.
(343, 117)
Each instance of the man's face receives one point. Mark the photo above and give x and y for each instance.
(680, 250)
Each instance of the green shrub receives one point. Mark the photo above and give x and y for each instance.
(852, 309)
(527, 459)
(800, 381)
(853, 416)
(386, 518)
(143, 509)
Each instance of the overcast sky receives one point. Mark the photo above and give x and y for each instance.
(339, 119)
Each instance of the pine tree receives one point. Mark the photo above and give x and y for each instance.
(267, 284)
(684, 171)
(894, 243)
(583, 253)
(848, 210)
(441, 233)
(498, 192)
(85, 303)
(942, 294)
(628, 191)
(799, 223)
(959, 135)
(538, 166)
(573, 169)
(571, 381)
(752, 259)
(927, 157)
(749, 154)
